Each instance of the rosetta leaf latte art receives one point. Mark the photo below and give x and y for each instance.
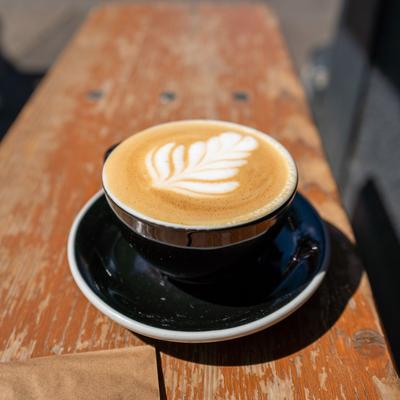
(205, 168)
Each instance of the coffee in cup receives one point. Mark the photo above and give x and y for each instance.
(199, 184)
(200, 174)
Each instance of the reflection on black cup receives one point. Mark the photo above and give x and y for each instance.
(192, 254)
(195, 253)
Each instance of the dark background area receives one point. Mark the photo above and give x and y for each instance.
(347, 53)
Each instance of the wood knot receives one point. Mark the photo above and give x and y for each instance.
(368, 343)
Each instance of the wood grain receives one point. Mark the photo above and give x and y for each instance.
(107, 85)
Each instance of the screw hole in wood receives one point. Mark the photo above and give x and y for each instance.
(95, 94)
(167, 97)
(240, 95)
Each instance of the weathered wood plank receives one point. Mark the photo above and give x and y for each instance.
(107, 85)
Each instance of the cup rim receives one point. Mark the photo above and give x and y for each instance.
(271, 213)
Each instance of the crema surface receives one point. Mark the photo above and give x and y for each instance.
(200, 174)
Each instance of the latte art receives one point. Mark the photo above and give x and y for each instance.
(205, 168)
(199, 174)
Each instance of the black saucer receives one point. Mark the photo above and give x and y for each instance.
(246, 299)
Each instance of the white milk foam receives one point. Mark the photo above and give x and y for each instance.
(200, 174)
(205, 168)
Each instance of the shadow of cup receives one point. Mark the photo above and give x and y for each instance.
(296, 332)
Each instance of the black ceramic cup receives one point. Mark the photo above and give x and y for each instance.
(188, 254)
(195, 254)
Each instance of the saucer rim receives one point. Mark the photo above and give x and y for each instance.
(192, 336)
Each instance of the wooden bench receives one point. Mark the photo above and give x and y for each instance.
(132, 66)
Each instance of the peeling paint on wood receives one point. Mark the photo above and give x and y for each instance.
(386, 390)
(107, 85)
(322, 379)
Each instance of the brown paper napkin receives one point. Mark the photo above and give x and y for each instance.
(109, 374)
